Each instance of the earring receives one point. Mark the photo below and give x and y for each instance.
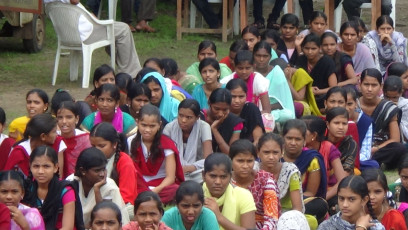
(116, 109)
(312, 138)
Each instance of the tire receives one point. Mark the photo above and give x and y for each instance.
(35, 44)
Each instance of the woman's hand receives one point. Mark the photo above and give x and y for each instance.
(316, 90)
(211, 203)
(364, 221)
(188, 169)
(98, 185)
(18, 217)
(218, 122)
(299, 40)
(289, 71)
(385, 38)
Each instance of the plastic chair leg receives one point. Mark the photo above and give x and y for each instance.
(113, 55)
(74, 64)
(87, 59)
(193, 14)
(57, 57)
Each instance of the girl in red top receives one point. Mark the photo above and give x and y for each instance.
(41, 130)
(120, 166)
(382, 203)
(155, 157)
(5, 142)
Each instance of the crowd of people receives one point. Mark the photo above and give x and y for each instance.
(289, 131)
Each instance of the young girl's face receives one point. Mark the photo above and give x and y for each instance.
(50, 137)
(148, 215)
(219, 110)
(138, 102)
(244, 70)
(148, 127)
(377, 194)
(318, 26)
(238, 99)
(311, 50)
(335, 100)
(349, 36)
(106, 104)
(294, 141)
(154, 65)
(190, 208)
(250, 39)
(392, 96)
(105, 219)
(329, 46)
(351, 105)
(370, 88)
(108, 78)
(231, 56)
(94, 175)
(67, 122)
(404, 177)
(350, 203)
(35, 105)
(43, 169)
(270, 154)
(186, 119)
(338, 126)
(206, 53)
(243, 164)
(11, 192)
(217, 180)
(108, 148)
(157, 93)
(262, 58)
(210, 75)
(272, 43)
(289, 31)
(404, 78)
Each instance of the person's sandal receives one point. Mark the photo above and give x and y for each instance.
(260, 25)
(132, 28)
(273, 26)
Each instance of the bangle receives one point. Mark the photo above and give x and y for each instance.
(361, 226)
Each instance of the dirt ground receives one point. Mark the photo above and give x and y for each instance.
(12, 95)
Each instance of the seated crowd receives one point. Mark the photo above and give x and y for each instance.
(287, 132)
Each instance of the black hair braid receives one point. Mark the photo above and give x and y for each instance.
(371, 211)
(115, 175)
(29, 190)
(155, 148)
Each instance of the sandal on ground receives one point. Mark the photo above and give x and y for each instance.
(273, 25)
(132, 28)
(260, 25)
(145, 28)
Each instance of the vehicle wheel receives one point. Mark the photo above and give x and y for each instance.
(38, 29)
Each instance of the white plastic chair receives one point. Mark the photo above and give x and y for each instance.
(112, 4)
(297, 8)
(339, 11)
(65, 19)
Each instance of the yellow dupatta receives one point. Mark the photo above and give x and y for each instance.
(300, 79)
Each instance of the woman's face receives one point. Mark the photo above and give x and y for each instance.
(329, 46)
(190, 208)
(217, 180)
(238, 100)
(349, 36)
(335, 100)
(243, 164)
(94, 175)
(244, 70)
(186, 119)
(35, 105)
(210, 75)
(43, 169)
(294, 142)
(67, 122)
(404, 78)
(250, 39)
(219, 110)
(350, 203)
(370, 88)
(385, 29)
(138, 102)
(289, 31)
(108, 78)
(351, 105)
(272, 43)
(157, 93)
(206, 53)
(361, 33)
(232, 56)
(148, 127)
(108, 148)
(154, 65)
(262, 58)
(11, 192)
(270, 154)
(311, 50)
(318, 26)
(105, 219)
(377, 194)
(404, 177)
(392, 96)
(106, 104)
(148, 215)
(338, 126)
(50, 137)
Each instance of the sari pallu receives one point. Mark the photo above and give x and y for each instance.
(302, 79)
(75, 145)
(382, 116)
(349, 150)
